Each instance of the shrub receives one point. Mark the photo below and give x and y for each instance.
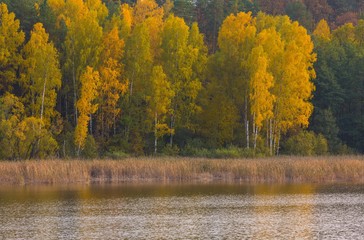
(116, 154)
(306, 143)
(321, 145)
(189, 150)
(229, 152)
(90, 149)
(233, 152)
(343, 149)
(169, 150)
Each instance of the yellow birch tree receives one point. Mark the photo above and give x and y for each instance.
(260, 96)
(180, 56)
(322, 30)
(11, 38)
(160, 99)
(112, 86)
(90, 83)
(42, 76)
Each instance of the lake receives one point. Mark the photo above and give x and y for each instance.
(186, 211)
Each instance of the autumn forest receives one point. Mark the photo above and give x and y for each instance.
(205, 78)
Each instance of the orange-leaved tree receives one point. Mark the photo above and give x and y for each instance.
(90, 83)
(264, 67)
(11, 38)
(113, 84)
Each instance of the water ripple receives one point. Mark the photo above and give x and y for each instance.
(225, 216)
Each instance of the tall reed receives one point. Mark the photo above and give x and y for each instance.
(267, 170)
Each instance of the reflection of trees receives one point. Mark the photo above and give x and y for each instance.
(39, 212)
(67, 215)
(188, 212)
(283, 211)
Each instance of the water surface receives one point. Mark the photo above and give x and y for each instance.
(214, 211)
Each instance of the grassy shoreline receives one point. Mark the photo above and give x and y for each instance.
(329, 169)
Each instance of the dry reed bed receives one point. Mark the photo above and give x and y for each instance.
(269, 170)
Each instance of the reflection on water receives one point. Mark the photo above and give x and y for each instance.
(182, 212)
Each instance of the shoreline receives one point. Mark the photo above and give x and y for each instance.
(274, 170)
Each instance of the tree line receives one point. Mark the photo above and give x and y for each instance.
(103, 78)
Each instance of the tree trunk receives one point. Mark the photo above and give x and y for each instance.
(255, 137)
(278, 142)
(43, 96)
(276, 138)
(33, 97)
(131, 89)
(155, 133)
(246, 121)
(131, 86)
(42, 106)
(267, 135)
(64, 148)
(254, 133)
(74, 83)
(114, 122)
(78, 150)
(270, 137)
(91, 124)
(247, 135)
(102, 124)
(171, 126)
(128, 125)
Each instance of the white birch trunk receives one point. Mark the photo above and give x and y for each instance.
(155, 133)
(278, 142)
(254, 133)
(247, 134)
(270, 137)
(246, 121)
(74, 82)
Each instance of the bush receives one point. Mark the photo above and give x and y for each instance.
(262, 150)
(116, 154)
(343, 149)
(169, 150)
(230, 152)
(195, 151)
(306, 143)
(321, 145)
(90, 149)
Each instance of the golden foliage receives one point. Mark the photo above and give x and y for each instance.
(42, 77)
(90, 81)
(11, 38)
(322, 30)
